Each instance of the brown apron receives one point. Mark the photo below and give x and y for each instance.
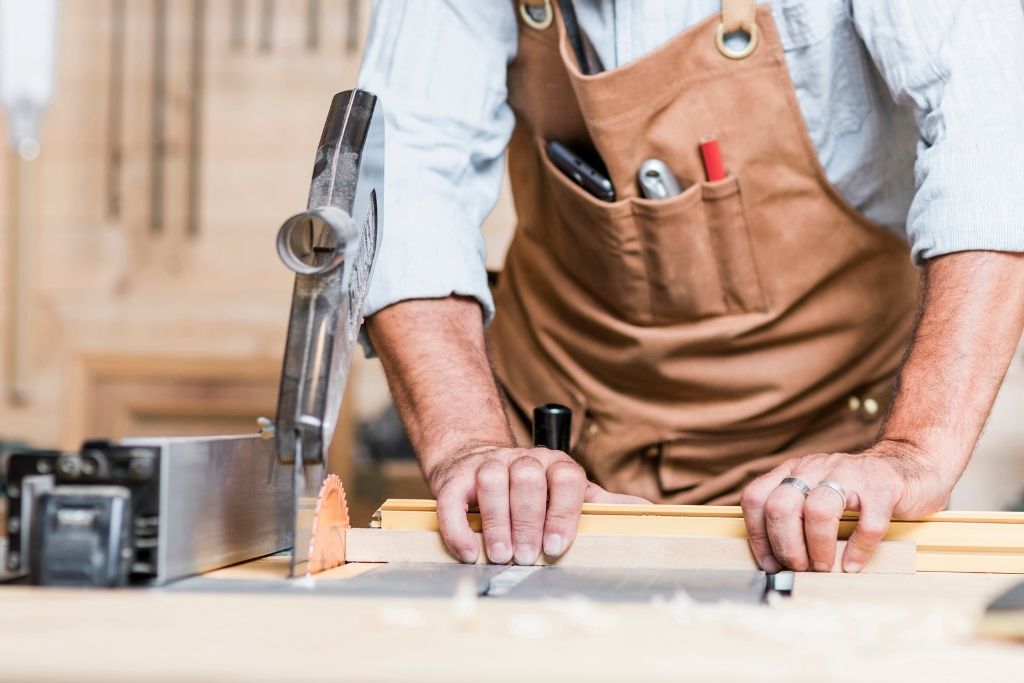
(705, 338)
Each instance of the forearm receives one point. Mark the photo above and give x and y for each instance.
(435, 357)
(971, 320)
(434, 354)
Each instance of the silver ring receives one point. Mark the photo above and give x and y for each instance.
(835, 486)
(798, 484)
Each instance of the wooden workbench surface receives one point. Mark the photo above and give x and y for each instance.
(836, 627)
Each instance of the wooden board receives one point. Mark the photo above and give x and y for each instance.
(990, 542)
(591, 550)
(714, 511)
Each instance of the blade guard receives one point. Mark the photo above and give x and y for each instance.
(331, 248)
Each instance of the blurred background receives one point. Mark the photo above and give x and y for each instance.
(151, 150)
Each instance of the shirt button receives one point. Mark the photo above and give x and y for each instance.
(871, 407)
(853, 403)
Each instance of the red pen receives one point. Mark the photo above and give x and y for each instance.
(713, 168)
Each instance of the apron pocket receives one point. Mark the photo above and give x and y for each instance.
(698, 252)
(595, 242)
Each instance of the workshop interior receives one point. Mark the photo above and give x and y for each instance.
(195, 446)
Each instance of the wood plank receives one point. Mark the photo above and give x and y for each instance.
(978, 562)
(716, 511)
(650, 552)
(927, 534)
(948, 541)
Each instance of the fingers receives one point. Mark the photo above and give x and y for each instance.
(566, 486)
(452, 504)
(528, 490)
(492, 483)
(870, 529)
(784, 522)
(753, 500)
(822, 512)
(786, 528)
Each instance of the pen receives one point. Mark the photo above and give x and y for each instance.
(713, 168)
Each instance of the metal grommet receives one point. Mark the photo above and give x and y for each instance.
(751, 45)
(535, 15)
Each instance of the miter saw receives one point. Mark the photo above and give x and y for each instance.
(150, 510)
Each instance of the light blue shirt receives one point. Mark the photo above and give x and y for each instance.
(915, 107)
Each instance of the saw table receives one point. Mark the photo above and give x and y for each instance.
(422, 617)
(835, 627)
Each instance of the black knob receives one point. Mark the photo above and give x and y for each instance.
(552, 425)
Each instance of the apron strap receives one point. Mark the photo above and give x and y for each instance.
(738, 15)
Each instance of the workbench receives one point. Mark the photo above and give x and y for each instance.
(835, 627)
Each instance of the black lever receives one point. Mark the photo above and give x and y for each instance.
(552, 425)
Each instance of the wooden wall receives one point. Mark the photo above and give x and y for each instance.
(117, 272)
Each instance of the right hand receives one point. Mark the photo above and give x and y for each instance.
(530, 500)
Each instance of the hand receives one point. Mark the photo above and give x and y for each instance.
(529, 498)
(892, 480)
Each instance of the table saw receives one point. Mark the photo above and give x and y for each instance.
(216, 543)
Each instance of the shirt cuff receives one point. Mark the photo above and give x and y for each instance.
(968, 199)
(415, 261)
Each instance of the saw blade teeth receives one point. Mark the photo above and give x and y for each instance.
(330, 520)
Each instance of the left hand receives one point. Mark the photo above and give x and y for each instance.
(891, 480)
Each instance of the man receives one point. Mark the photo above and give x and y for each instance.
(742, 336)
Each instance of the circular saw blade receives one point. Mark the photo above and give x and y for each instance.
(330, 520)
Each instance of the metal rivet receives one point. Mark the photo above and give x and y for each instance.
(871, 407)
(141, 468)
(13, 491)
(853, 403)
(43, 466)
(13, 525)
(68, 466)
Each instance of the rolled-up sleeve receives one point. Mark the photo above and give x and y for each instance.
(960, 67)
(439, 69)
